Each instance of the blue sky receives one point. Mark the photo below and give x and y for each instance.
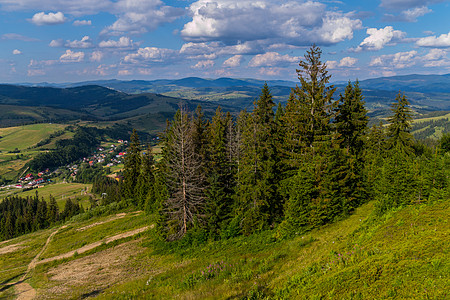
(67, 41)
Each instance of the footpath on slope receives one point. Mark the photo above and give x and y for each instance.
(95, 244)
(25, 291)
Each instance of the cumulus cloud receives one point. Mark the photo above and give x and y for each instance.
(123, 42)
(378, 38)
(71, 56)
(204, 64)
(406, 4)
(437, 42)
(84, 43)
(136, 17)
(348, 62)
(234, 22)
(409, 15)
(96, 56)
(48, 19)
(344, 62)
(436, 58)
(82, 23)
(272, 59)
(151, 54)
(398, 60)
(234, 61)
(16, 52)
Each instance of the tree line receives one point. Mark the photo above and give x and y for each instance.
(291, 169)
(21, 215)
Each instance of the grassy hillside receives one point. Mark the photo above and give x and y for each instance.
(23, 142)
(404, 255)
(23, 137)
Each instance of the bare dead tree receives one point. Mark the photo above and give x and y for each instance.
(184, 176)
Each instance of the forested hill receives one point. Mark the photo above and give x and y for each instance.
(22, 104)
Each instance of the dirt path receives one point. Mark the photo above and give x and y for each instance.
(36, 258)
(95, 245)
(24, 291)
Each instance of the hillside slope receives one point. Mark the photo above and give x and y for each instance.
(404, 255)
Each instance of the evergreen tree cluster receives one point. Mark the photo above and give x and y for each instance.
(300, 166)
(20, 215)
(83, 144)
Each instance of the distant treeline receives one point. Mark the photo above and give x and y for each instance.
(20, 215)
(83, 144)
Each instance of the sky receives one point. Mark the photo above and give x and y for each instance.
(77, 40)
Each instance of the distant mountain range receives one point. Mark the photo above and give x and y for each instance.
(426, 92)
(141, 102)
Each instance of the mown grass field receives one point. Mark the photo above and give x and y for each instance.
(403, 255)
(22, 137)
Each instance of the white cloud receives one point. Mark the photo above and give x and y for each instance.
(56, 43)
(82, 23)
(135, 17)
(71, 56)
(436, 58)
(409, 15)
(398, 60)
(344, 62)
(234, 22)
(16, 52)
(151, 54)
(435, 54)
(204, 64)
(432, 41)
(348, 62)
(123, 42)
(234, 61)
(84, 43)
(96, 56)
(272, 59)
(48, 19)
(378, 38)
(39, 63)
(332, 64)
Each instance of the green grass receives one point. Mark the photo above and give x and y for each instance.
(71, 238)
(23, 137)
(402, 255)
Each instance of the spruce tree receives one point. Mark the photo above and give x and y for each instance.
(132, 169)
(257, 190)
(220, 178)
(399, 136)
(146, 181)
